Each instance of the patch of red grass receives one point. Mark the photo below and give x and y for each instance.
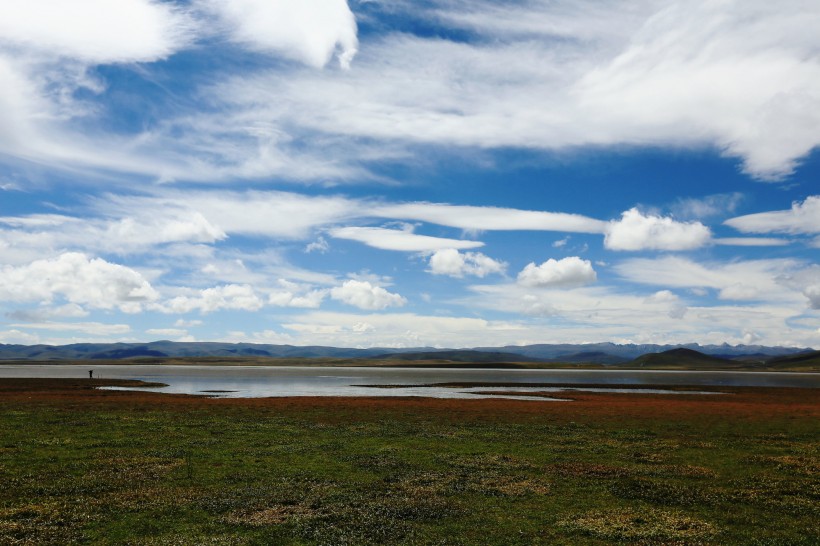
(746, 403)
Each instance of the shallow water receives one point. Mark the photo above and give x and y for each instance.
(277, 381)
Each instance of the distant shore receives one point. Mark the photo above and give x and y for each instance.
(806, 367)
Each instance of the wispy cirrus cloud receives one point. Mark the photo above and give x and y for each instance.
(402, 240)
(802, 218)
(748, 280)
(557, 76)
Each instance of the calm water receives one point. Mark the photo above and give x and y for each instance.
(261, 381)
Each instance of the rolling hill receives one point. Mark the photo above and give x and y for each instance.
(806, 361)
(680, 359)
(539, 355)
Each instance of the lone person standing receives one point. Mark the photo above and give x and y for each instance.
(91, 374)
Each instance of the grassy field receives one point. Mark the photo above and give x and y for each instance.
(84, 466)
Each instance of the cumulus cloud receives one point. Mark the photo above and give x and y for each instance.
(802, 218)
(637, 231)
(566, 272)
(402, 240)
(230, 296)
(453, 263)
(364, 295)
(80, 280)
(310, 31)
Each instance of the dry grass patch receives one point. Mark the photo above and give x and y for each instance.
(273, 515)
(589, 470)
(650, 526)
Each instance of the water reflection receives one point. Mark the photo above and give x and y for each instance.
(264, 381)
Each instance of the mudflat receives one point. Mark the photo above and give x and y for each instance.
(80, 464)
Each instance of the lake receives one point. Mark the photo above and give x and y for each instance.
(278, 381)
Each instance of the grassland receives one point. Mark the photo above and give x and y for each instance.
(79, 465)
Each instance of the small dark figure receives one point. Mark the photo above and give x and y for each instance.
(91, 374)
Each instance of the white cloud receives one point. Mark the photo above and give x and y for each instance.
(719, 204)
(813, 294)
(738, 75)
(182, 323)
(167, 332)
(319, 245)
(471, 218)
(142, 230)
(399, 330)
(802, 218)
(595, 313)
(364, 295)
(663, 296)
(79, 280)
(636, 231)
(453, 263)
(567, 272)
(229, 296)
(751, 241)
(146, 230)
(95, 30)
(311, 299)
(16, 336)
(740, 78)
(310, 31)
(402, 240)
(278, 214)
(762, 280)
(580, 315)
(46, 313)
(88, 328)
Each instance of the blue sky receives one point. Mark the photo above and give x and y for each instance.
(439, 173)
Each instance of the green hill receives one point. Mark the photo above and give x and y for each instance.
(804, 362)
(682, 359)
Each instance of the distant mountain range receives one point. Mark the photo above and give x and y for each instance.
(606, 354)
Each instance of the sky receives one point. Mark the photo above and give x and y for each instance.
(442, 173)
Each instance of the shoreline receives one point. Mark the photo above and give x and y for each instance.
(753, 403)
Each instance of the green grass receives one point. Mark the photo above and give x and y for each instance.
(255, 475)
